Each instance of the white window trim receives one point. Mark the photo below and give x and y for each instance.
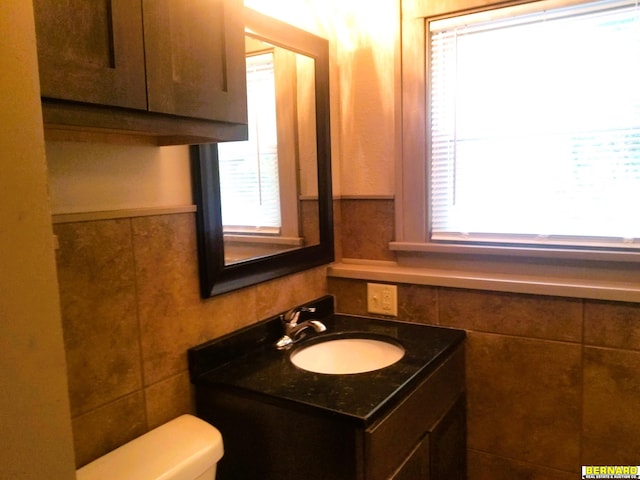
(604, 270)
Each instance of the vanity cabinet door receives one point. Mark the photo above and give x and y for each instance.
(441, 454)
(91, 52)
(449, 445)
(417, 465)
(195, 58)
(393, 439)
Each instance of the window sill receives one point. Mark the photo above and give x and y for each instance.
(562, 284)
(264, 239)
(547, 253)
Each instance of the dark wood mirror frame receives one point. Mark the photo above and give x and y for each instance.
(217, 278)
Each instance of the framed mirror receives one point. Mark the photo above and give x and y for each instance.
(264, 206)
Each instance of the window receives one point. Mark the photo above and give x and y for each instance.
(534, 127)
(249, 186)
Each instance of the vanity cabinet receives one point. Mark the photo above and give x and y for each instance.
(424, 437)
(440, 454)
(421, 436)
(169, 69)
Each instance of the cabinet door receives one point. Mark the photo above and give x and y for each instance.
(448, 444)
(91, 51)
(195, 58)
(417, 464)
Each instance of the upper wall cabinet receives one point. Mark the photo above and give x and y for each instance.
(171, 69)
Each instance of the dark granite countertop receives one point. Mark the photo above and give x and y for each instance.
(249, 361)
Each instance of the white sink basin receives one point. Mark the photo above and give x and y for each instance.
(347, 355)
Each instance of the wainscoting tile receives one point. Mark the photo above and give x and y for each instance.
(351, 295)
(337, 229)
(168, 298)
(283, 293)
(106, 428)
(100, 325)
(417, 303)
(367, 228)
(533, 316)
(169, 399)
(483, 466)
(173, 317)
(524, 398)
(612, 324)
(310, 221)
(611, 405)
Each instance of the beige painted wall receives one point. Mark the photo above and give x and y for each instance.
(35, 423)
(88, 177)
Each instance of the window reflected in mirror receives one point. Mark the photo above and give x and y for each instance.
(268, 184)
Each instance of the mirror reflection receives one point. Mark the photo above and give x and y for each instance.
(269, 183)
(283, 173)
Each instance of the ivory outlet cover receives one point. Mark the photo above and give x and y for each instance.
(382, 298)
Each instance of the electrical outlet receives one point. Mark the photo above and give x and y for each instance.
(382, 298)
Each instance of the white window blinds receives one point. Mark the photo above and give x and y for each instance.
(535, 126)
(249, 184)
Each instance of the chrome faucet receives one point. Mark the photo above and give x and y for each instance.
(293, 329)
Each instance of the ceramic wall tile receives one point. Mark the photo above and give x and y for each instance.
(612, 324)
(173, 317)
(611, 404)
(106, 428)
(533, 316)
(418, 303)
(310, 221)
(167, 287)
(484, 466)
(524, 398)
(351, 295)
(226, 313)
(98, 303)
(169, 399)
(337, 229)
(367, 228)
(278, 295)
(132, 308)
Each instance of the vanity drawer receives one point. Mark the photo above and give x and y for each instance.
(392, 439)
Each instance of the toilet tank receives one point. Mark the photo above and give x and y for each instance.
(185, 448)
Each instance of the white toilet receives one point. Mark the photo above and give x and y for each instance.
(185, 448)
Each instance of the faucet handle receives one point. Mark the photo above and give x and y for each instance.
(293, 315)
(292, 330)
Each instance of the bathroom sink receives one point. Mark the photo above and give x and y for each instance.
(341, 356)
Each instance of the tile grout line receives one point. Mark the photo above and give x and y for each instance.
(136, 293)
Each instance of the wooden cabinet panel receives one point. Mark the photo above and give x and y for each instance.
(449, 444)
(264, 441)
(192, 58)
(169, 70)
(417, 465)
(390, 440)
(91, 51)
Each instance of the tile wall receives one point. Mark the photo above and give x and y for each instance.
(553, 383)
(131, 308)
